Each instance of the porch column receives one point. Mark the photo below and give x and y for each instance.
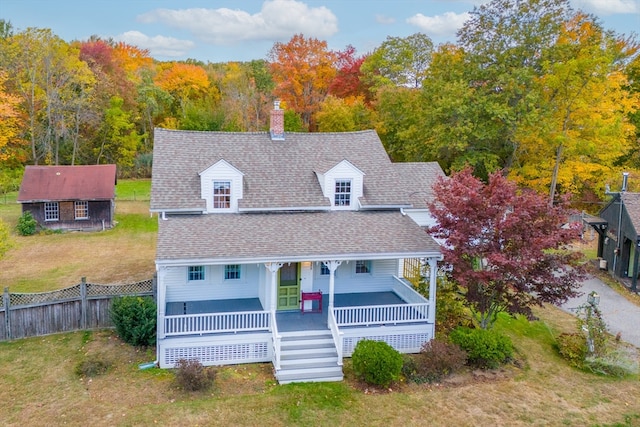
(161, 300)
(433, 272)
(332, 266)
(273, 267)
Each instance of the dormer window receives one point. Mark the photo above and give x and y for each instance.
(221, 194)
(343, 192)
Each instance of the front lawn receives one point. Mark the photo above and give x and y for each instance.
(38, 382)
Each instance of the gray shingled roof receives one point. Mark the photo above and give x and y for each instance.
(259, 237)
(420, 177)
(277, 174)
(632, 205)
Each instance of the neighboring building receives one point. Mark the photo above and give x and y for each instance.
(618, 239)
(287, 249)
(70, 197)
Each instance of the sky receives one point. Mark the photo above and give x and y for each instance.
(243, 30)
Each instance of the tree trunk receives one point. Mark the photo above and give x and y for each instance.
(554, 177)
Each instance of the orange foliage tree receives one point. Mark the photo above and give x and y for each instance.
(302, 70)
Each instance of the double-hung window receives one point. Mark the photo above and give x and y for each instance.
(324, 270)
(51, 211)
(232, 272)
(81, 209)
(196, 272)
(363, 267)
(221, 194)
(343, 193)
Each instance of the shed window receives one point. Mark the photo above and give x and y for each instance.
(51, 211)
(196, 272)
(81, 209)
(221, 194)
(343, 192)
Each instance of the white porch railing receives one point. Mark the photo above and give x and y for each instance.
(405, 291)
(277, 340)
(381, 314)
(209, 323)
(336, 333)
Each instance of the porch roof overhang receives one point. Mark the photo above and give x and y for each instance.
(291, 237)
(594, 221)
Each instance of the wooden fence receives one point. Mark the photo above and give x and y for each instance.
(79, 307)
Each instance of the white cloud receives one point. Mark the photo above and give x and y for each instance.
(446, 24)
(277, 20)
(158, 45)
(609, 7)
(386, 20)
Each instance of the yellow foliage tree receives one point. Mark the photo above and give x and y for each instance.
(583, 125)
(11, 144)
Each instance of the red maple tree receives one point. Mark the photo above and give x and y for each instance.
(507, 248)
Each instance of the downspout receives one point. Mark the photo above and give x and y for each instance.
(636, 258)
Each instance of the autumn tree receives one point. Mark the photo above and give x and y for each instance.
(348, 81)
(504, 43)
(584, 107)
(400, 61)
(119, 139)
(186, 83)
(506, 247)
(344, 115)
(11, 143)
(398, 114)
(302, 70)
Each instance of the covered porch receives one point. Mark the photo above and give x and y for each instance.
(287, 320)
(230, 331)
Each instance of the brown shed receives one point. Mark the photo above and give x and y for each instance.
(70, 197)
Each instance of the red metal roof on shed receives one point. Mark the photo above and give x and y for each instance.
(52, 183)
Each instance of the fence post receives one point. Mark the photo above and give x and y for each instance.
(7, 317)
(83, 303)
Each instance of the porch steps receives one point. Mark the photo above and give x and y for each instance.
(308, 356)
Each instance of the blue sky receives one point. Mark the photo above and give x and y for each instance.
(242, 30)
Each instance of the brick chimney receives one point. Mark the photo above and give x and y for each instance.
(277, 123)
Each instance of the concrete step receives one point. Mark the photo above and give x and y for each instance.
(321, 374)
(303, 353)
(308, 356)
(316, 362)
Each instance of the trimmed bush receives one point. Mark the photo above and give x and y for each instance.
(376, 362)
(192, 376)
(135, 320)
(485, 348)
(437, 359)
(572, 348)
(27, 225)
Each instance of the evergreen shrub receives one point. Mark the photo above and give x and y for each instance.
(135, 319)
(486, 348)
(376, 362)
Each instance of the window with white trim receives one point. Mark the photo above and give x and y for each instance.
(232, 272)
(363, 267)
(196, 272)
(81, 209)
(221, 194)
(342, 196)
(51, 211)
(324, 270)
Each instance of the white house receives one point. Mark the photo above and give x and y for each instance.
(288, 248)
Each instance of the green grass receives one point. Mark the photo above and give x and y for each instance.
(133, 189)
(135, 223)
